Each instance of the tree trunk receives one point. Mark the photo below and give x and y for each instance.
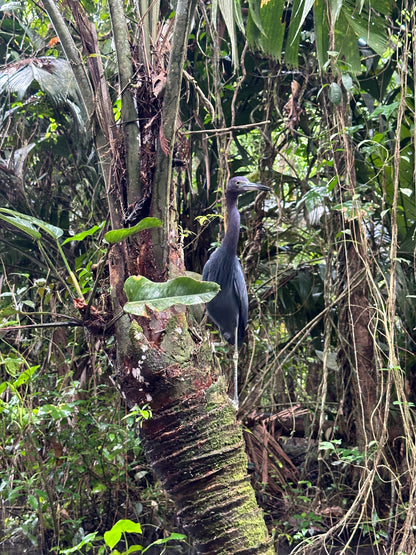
(359, 420)
(356, 355)
(193, 439)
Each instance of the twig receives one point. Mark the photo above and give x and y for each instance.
(225, 129)
(44, 325)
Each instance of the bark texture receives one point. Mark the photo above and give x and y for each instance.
(356, 356)
(359, 397)
(193, 440)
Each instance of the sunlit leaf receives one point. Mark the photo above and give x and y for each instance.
(25, 376)
(113, 536)
(142, 293)
(117, 235)
(55, 412)
(326, 446)
(133, 549)
(81, 236)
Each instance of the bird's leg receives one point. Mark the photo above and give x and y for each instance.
(235, 359)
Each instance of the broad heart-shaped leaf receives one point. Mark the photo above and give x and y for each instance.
(142, 293)
(30, 222)
(117, 235)
(113, 536)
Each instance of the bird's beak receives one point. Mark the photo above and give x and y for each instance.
(255, 187)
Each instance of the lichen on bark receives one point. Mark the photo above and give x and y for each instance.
(193, 440)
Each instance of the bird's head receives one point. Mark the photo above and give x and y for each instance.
(238, 185)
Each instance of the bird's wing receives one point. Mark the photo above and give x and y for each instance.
(206, 271)
(240, 290)
(210, 270)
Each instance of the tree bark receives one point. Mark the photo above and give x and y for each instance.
(128, 109)
(193, 440)
(360, 421)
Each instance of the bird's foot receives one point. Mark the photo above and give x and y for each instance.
(235, 403)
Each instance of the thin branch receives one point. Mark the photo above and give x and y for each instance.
(204, 99)
(223, 130)
(68, 323)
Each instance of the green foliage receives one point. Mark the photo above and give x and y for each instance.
(267, 23)
(142, 293)
(53, 75)
(117, 235)
(83, 234)
(73, 466)
(120, 528)
(265, 28)
(113, 536)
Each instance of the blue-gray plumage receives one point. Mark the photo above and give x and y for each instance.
(229, 308)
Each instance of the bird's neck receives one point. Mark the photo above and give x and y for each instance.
(232, 233)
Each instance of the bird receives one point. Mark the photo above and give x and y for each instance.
(228, 310)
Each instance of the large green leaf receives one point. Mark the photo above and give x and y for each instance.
(30, 222)
(254, 13)
(373, 33)
(21, 224)
(346, 43)
(142, 293)
(117, 235)
(265, 28)
(320, 16)
(271, 42)
(293, 36)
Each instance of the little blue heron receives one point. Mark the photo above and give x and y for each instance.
(229, 308)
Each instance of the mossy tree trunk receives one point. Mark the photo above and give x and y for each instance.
(193, 439)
